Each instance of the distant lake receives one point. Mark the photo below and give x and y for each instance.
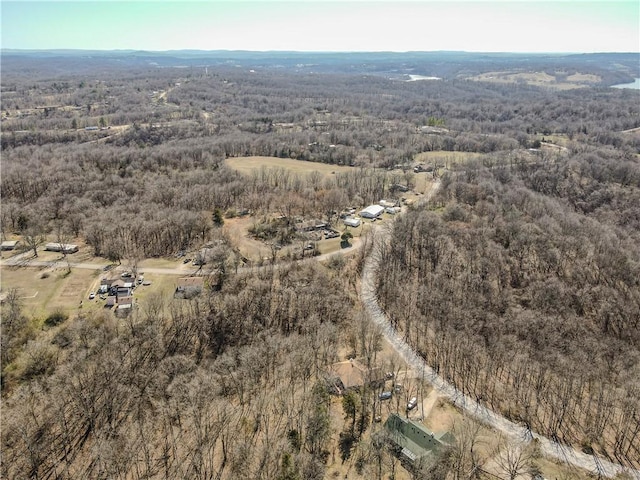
(413, 78)
(635, 85)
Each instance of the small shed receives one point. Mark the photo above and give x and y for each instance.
(352, 222)
(9, 244)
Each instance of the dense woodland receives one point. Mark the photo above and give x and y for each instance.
(522, 287)
(519, 282)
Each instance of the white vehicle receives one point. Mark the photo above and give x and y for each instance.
(413, 403)
(92, 295)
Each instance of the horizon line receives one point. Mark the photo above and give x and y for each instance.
(199, 50)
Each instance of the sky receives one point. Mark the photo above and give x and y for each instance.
(324, 25)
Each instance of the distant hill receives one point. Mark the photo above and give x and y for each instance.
(611, 68)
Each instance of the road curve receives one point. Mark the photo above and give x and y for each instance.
(548, 447)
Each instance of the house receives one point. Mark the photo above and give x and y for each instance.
(61, 247)
(372, 211)
(392, 210)
(352, 222)
(386, 204)
(189, 287)
(9, 244)
(352, 375)
(413, 442)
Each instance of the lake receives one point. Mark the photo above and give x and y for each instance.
(635, 85)
(413, 78)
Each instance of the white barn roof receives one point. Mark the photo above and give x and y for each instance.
(352, 221)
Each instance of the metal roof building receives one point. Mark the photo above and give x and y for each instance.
(372, 211)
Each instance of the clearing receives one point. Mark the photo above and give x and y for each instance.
(45, 290)
(247, 165)
(560, 81)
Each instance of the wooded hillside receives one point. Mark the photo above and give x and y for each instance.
(519, 282)
(522, 287)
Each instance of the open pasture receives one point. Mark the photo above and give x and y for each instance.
(44, 290)
(249, 165)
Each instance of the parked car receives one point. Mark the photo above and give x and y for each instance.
(413, 403)
(385, 395)
(92, 295)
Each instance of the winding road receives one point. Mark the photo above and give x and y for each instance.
(591, 463)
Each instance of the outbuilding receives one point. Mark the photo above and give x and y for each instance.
(372, 211)
(61, 247)
(352, 222)
(9, 244)
(413, 441)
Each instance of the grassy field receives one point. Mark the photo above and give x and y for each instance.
(539, 79)
(43, 290)
(250, 164)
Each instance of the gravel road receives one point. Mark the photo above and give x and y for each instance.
(598, 466)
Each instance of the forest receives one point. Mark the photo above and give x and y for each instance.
(519, 281)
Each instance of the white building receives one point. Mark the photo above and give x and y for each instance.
(372, 211)
(352, 222)
(9, 244)
(61, 247)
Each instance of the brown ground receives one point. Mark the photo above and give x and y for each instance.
(249, 164)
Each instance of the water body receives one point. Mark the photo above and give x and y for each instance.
(634, 85)
(413, 78)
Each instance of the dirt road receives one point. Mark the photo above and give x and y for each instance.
(471, 406)
(26, 259)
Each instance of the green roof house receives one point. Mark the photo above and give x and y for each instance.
(412, 441)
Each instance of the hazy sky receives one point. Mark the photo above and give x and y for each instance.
(325, 25)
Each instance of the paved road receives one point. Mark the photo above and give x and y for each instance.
(471, 406)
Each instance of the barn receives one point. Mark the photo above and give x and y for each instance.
(372, 211)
